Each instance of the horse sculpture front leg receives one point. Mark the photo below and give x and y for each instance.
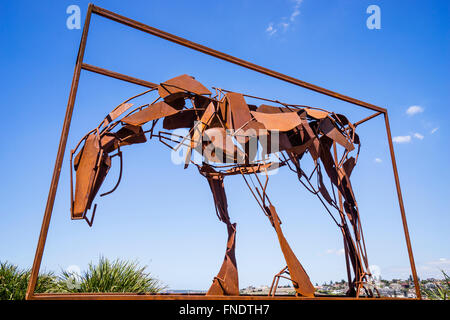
(226, 282)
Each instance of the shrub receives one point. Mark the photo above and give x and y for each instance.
(14, 282)
(112, 276)
(440, 291)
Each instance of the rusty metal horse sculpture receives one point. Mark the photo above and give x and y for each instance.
(224, 129)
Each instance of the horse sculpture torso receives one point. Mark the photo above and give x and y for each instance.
(226, 131)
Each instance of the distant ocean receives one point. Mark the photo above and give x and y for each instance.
(184, 291)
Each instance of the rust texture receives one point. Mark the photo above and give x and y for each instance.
(229, 133)
(223, 127)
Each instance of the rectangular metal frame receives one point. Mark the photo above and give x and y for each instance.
(31, 295)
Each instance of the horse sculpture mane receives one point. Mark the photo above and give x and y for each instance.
(224, 129)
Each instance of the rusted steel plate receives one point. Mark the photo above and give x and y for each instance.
(317, 114)
(278, 121)
(302, 283)
(329, 129)
(224, 146)
(239, 114)
(113, 115)
(225, 129)
(85, 174)
(226, 282)
(181, 84)
(184, 119)
(152, 112)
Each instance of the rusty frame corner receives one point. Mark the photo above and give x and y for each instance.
(80, 65)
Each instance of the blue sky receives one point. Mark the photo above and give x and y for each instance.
(164, 215)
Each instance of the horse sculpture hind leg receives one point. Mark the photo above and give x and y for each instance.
(298, 275)
(226, 282)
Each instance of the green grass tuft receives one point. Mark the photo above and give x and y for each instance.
(112, 276)
(106, 276)
(14, 282)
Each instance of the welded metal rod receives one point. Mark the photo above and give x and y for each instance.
(59, 160)
(402, 208)
(117, 75)
(367, 119)
(187, 296)
(341, 210)
(181, 41)
(198, 47)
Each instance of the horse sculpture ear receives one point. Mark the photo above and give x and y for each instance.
(181, 84)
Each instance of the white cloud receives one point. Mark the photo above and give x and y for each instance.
(427, 269)
(378, 160)
(270, 29)
(433, 268)
(402, 139)
(418, 136)
(434, 130)
(286, 22)
(339, 252)
(294, 15)
(284, 25)
(296, 11)
(441, 262)
(414, 110)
